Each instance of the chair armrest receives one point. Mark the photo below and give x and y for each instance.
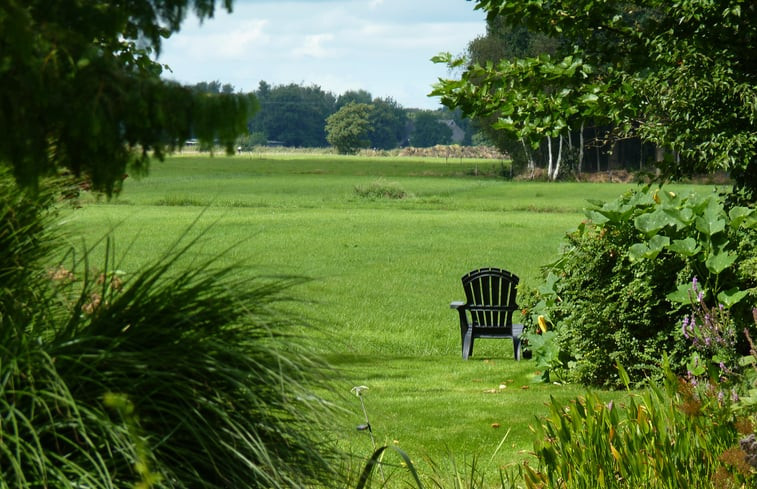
(456, 305)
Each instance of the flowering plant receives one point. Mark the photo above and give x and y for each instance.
(712, 335)
(720, 380)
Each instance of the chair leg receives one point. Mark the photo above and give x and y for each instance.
(467, 340)
(517, 345)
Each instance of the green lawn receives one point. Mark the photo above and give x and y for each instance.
(382, 275)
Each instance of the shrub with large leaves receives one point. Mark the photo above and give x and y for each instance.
(617, 290)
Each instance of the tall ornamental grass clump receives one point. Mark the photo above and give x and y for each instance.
(666, 436)
(176, 376)
(617, 290)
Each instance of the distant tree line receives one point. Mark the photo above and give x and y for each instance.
(306, 116)
(297, 116)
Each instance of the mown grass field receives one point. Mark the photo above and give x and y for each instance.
(382, 273)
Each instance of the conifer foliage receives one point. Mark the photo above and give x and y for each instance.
(80, 89)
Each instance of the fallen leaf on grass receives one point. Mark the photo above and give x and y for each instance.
(495, 425)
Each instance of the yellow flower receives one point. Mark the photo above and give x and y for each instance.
(615, 453)
(542, 324)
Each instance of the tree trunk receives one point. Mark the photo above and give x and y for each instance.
(559, 159)
(549, 160)
(596, 148)
(641, 154)
(529, 158)
(659, 154)
(581, 149)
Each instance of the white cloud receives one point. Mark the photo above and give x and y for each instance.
(383, 46)
(248, 37)
(313, 46)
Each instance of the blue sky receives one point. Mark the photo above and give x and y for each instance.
(382, 46)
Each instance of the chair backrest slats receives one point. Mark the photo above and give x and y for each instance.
(491, 294)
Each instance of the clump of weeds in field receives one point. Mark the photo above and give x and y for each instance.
(381, 189)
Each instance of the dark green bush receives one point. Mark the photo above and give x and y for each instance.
(617, 290)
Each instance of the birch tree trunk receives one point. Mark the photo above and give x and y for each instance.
(529, 158)
(549, 159)
(559, 159)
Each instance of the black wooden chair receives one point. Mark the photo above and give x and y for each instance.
(488, 309)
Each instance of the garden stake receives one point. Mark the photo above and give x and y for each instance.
(358, 390)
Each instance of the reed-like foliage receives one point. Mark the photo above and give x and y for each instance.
(25, 242)
(43, 439)
(666, 436)
(217, 390)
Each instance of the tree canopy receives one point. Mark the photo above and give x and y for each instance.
(357, 96)
(388, 124)
(293, 114)
(348, 128)
(680, 74)
(80, 89)
(429, 130)
(296, 115)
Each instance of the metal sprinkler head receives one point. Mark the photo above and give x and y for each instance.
(364, 427)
